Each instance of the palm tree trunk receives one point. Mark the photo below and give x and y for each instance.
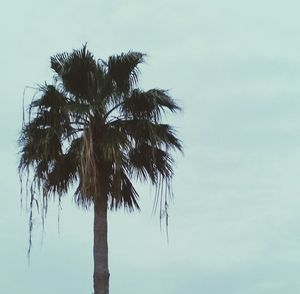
(101, 272)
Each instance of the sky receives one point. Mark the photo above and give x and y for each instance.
(234, 66)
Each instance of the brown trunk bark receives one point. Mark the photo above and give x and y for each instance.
(101, 272)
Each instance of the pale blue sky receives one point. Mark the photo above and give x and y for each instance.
(235, 68)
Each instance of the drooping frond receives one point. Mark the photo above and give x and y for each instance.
(148, 162)
(64, 172)
(50, 97)
(149, 156)
(143, 131)
(38, 145)
(50, 111)
(148, 105)
(122, 192)
(40, 138)
(123, 70)
(89, 173)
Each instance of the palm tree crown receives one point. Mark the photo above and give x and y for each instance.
(94, 128)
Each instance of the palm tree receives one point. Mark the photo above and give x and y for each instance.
(92, 128)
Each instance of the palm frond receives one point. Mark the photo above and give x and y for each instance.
(122, 192)
(50, 97)
(38, 144)
(148, 162)
(50, 111)
(112, 142)
(148, 105)
(65, 170)
(144, 131)
(78, 72)
(105, 86)
(58, 61)
(123, 70)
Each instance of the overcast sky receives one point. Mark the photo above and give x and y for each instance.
(234, 66)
